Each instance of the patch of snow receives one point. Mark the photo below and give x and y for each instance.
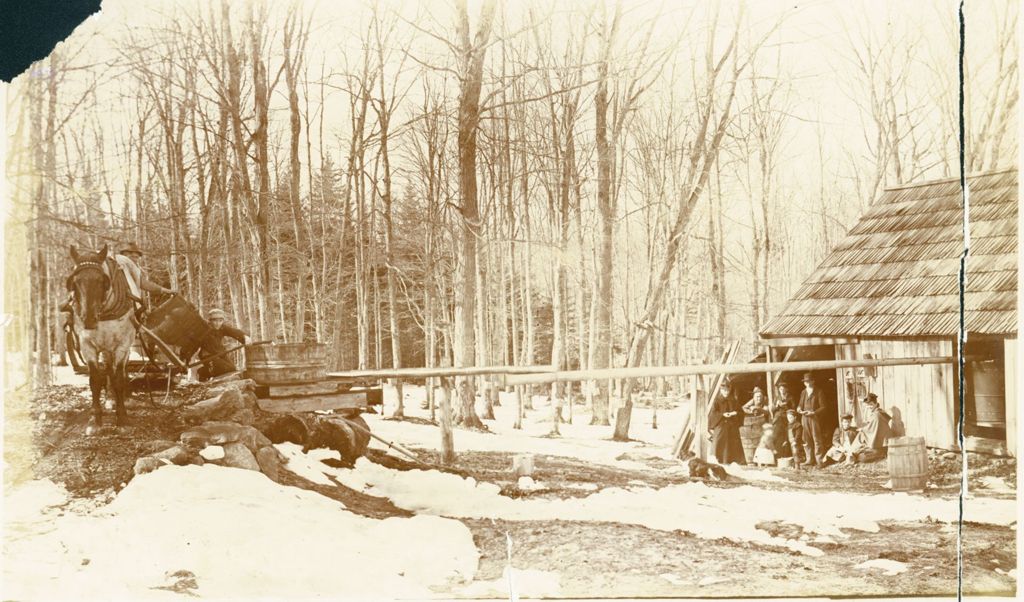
(891, 567)
(674, 579)
(242, 535)
(752, 474)
(66, 375)
(212, 452)
(32, 500)
(693, 507)
(578, 439)
(514, 583)
(306, 466)
(583, 486)
(995, 484)
(711, 580)
(322, 454)
(527, 484)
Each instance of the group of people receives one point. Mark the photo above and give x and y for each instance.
(794, 428)
(211, 348)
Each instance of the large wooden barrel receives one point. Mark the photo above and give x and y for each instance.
(283, 364)
(987, 385)
(177, 323)
(908, 464)
(750, 435)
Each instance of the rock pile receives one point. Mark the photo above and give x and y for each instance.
(222, 434)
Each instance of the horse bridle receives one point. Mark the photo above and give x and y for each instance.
(88, 265)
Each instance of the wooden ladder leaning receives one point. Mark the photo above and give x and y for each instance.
(687, 434)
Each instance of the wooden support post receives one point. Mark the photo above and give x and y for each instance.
(447, 444)
(700, 423)
(431, 399)
(519, 406)
(769, 382)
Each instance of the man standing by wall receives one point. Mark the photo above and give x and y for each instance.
(811, 407)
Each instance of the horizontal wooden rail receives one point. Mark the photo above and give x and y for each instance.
(664, 371)
(435, 372)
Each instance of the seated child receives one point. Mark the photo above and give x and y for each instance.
(764, 455)
(847, 442)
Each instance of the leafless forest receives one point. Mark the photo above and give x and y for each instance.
(575, 184)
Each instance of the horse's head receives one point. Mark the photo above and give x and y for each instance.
(89, 283)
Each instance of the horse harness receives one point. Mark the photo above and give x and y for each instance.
(118, 298)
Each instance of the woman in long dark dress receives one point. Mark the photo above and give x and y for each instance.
(724, 420)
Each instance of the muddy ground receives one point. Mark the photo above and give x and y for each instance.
(46, 438)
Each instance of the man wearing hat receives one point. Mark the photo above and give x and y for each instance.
(213, 345)
(876, 430)
(847, 442)
(811, 409)
(128, 258)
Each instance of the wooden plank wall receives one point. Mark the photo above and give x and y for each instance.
(920, 397)
(1010, 366)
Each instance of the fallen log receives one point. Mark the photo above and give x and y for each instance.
(349, 436)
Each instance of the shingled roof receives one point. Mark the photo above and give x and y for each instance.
(896, 274)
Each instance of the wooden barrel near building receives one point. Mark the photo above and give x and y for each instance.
(288, 363)
(908, 464)
(750, 435)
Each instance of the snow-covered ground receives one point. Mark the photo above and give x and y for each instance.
(707, 512)
(577, 440)
(241, 535)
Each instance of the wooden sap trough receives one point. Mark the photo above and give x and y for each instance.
(290, 378)
(313, 412)
(316, 396)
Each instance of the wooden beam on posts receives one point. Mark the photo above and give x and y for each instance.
(663, 371)
(441, 371)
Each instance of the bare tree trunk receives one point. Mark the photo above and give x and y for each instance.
(260, 138)
(471, 62)
(294, 53)
(606, 213)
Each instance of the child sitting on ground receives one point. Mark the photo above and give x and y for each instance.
(847, 443)
(764, 454)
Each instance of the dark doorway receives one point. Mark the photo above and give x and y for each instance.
(824, 380)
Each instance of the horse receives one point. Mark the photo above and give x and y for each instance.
(103, 323)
